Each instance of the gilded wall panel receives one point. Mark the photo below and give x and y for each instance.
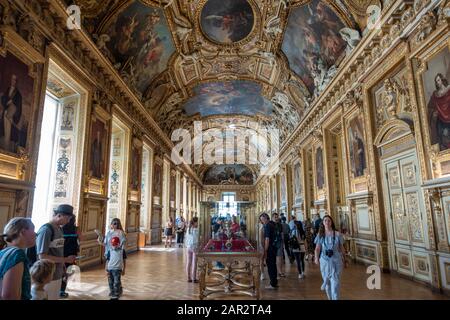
(421, 266)
(404, 261)
(7, 207)
(443, 221)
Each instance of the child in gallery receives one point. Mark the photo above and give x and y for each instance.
(115, 255)
(41, 274)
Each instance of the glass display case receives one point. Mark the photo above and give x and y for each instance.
(228, 259)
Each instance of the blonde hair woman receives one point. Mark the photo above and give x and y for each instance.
(15, 282)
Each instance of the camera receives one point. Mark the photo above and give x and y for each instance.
(329, 253)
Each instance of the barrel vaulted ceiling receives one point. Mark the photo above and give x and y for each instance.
(226, 62)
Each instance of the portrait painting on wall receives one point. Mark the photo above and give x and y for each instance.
(228, 97)
(283, 190)
(227, 21)
(16, 101)
(99, 134)
(157, 180)
(297, 183)
(319, 168)
(356, 146)
(437, 97)
(135, 167)
(138, 43)
(228, 175)
(173, 182)
(313, 42)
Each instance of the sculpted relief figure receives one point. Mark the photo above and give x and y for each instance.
(352, 38)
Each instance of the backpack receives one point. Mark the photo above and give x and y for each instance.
(277, 240)
(293, 243)
(32, 252)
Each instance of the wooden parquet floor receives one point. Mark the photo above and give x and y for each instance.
(157, 273)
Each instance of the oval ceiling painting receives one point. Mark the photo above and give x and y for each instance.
(227, 21)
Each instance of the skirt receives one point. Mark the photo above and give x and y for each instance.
(168, 232)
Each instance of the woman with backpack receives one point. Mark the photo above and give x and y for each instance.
(15, 280)
(298, 248)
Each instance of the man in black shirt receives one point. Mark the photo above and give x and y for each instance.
(270, 251)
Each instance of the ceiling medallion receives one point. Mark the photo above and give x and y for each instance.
(227, 22)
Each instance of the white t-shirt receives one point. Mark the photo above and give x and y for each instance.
(38, 294)
(192, 238)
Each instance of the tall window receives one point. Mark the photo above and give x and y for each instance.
(228, 205)
(43, 192)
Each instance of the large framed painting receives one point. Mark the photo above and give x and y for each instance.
(283, 189)
(320, 180)
(356, 146)
(135, 167)
(297, 180)
(227, 21)
(16, 104)
(173, 182)
(98, 149)
(436, 91)
(157, 180)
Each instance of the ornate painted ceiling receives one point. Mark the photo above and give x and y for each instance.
(226, 61)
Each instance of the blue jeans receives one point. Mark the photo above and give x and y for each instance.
(115, 285)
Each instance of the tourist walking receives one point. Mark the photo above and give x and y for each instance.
(329, 246)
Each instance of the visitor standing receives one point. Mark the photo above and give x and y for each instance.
(71, 247)
(192, 242)
(50, 245)
(181, 229)
(168, 232)
(270, 249)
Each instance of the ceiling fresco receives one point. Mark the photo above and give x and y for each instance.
(228, 97)
(227, 174)
(138, 42)
(313, 43)
(226, 61)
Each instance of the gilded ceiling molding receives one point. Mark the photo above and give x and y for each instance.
(374, 47)
(51, 19)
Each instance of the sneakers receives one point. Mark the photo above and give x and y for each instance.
(270, 287)
(63, 294)
(282, 275)
(262, 276)
(301, 276)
